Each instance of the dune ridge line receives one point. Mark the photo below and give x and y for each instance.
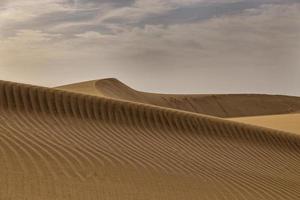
(41, 99)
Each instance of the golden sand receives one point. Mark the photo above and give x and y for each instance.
(56, 144)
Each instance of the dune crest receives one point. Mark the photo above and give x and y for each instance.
(56, 144)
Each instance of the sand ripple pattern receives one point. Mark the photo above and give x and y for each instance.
(61, 145)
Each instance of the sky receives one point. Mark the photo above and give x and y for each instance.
(168, 46)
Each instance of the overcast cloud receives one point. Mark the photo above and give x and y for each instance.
(176, 46)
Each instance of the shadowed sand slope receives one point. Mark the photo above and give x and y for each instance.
(289, 122)
(230, 105)
(60, 145)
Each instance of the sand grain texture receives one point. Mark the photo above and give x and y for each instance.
(56, 144)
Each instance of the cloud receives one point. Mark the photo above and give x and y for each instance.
(246, 31)
(90, 35)
(247, 38)
(18, 10)
(75, 15)
(253, 41)
(143, 8)
(28, 48)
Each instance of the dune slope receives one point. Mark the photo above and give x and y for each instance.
(61, 145)
(222, 105)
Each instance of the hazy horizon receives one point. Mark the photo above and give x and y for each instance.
(168, 46)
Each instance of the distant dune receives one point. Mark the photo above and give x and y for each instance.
(103, 140)
(219, 105)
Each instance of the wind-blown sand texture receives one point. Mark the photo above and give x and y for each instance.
(56, 144)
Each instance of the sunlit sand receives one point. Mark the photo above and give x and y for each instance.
(289, 122)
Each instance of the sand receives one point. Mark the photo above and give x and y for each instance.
(288, 122)
(55, 144)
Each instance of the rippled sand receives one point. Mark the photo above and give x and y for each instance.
(55, 144)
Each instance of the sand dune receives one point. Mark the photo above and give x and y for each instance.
(222, 105)
(56, 144)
